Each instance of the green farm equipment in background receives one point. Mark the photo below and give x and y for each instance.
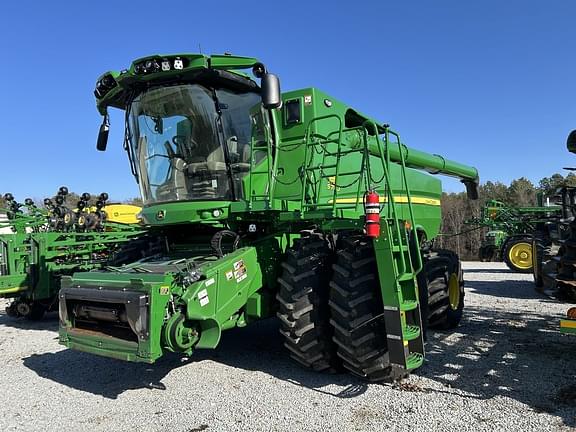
(266, 204)
(509, 235)
(40, 245)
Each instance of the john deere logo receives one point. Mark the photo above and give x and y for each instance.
(160, 215)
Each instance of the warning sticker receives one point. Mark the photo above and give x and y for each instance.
(240, 274)
(203, 297)
(229, 275)
(164, 290)
(238, 264)
(209, 282)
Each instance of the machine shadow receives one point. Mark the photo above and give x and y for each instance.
(488, 270)
(259, 347)
(49, 322)
(514, 289)
(99, 375)
(256, 348)
(505, 354)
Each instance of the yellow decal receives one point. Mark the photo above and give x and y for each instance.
(12, 290)
(399, 199)
(568, 324)
(332, 182)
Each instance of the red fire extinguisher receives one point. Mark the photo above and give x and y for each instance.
(372, 211)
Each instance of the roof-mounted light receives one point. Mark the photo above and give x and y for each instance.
(178, 63)
(154, 65)
(104, 85)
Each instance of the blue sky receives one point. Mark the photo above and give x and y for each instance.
(488, 83)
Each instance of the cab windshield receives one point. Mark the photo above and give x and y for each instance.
(189, 142)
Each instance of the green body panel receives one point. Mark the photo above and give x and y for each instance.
(310, 164)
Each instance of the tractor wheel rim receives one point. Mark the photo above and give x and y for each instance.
(521, 255)
(454, 291)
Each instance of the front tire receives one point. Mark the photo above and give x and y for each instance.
(303, 298)
(37, 311)
(357, 308)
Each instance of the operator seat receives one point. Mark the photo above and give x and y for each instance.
(207, 176)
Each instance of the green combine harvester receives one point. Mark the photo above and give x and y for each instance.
(267, 204)
(40, 245)
(509, 234)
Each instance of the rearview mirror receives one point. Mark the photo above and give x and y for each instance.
(571, 142)
(103, 135)
(271, 97)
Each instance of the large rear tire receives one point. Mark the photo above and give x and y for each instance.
(445, 282)
(37, 311)
(303, 298)
(537, 258)
(357, 308)
(518, 254)
(566, 278)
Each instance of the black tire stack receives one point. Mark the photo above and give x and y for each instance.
(356, 306)
(303, 299)
(331, 309)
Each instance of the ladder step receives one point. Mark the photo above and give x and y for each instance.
(414, 360)
(408, 305)
(403, 248)
(411, 332)
(405, 277)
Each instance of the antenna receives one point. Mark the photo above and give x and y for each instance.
(200, 48)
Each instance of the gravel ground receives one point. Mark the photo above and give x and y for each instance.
(506, 368)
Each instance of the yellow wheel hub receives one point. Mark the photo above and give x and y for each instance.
(454, 291)
(520, 255)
